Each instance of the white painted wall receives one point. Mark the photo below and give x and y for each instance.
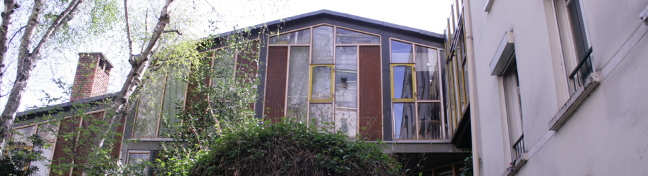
(608, 134)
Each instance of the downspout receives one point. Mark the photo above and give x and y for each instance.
(472, 88)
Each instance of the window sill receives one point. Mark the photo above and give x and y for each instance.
(431, 141)
(516, 165)
(574, 102)
(151, 139)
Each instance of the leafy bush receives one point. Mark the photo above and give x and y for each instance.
(16, 161)
(290, 148)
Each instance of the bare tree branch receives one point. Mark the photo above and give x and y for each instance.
(137, 72)
(131, 57)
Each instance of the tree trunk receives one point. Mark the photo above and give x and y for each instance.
(9, 7)
(27, 61)
(139, 65)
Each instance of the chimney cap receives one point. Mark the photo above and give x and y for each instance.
(108, 66)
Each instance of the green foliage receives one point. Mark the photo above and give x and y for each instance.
(468, 167)
(18, 157)
(291, 148)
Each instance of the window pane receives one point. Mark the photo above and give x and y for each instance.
(174, 96)
(297, 90)
(427, 74)
(23, 134)
(403, 82)
(321, 83)
(404, 121)
(429, 115)
(401, 52)
(298, 37)
(578, 28)
(346, 120)
(323, 45)
(149, 107)
(137, 158)
(346, 89)
(346, 36)
(321, 115)
(223, 67)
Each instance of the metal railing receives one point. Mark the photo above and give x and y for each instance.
(582, 70)
(518, 148)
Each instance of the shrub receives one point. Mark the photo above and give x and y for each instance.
(290, 148)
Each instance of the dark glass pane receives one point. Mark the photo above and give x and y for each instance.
(578, 28)
(321, 83)
(427, 74)
(297, 90)
(298, 37)
(429, 115)
(401, 52)
(404, 121)
(403, 82)
(323, 45)
(344, 36)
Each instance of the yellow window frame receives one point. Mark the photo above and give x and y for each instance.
(391, 75)
(310, 84)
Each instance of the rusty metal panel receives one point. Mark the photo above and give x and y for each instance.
(370, 106)
(275, 94)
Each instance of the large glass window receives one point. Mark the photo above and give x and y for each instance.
(298, 91)
(323, 75)
(416, 92)
(158, 103)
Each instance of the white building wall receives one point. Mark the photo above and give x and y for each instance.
(608, 134)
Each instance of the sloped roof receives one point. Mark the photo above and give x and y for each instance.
(324, 12)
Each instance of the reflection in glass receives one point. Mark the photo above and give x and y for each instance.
(149, 106)
(429, 115)
(404, 121)
(298, 37)
(297, 90)
(403, 82)
(137, 158)
(344, 36)
(174, 96)
(323, 45)
(321, 115)
(427, 81)
(321, 83)
(401, 52)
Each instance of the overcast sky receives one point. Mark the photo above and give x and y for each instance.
(430, 15)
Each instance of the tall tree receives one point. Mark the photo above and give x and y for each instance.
(29, 54)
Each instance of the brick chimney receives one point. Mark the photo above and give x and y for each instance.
(92, 75)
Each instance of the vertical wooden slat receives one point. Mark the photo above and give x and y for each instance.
(275, 94)
(370, 106)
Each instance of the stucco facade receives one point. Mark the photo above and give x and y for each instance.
(598, 128)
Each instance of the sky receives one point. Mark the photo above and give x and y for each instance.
(429, 15)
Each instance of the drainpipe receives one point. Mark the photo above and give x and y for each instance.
(472, 88)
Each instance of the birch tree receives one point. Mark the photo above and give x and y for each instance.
(44, 23)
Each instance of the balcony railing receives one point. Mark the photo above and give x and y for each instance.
(518, 148)
(582, 70)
